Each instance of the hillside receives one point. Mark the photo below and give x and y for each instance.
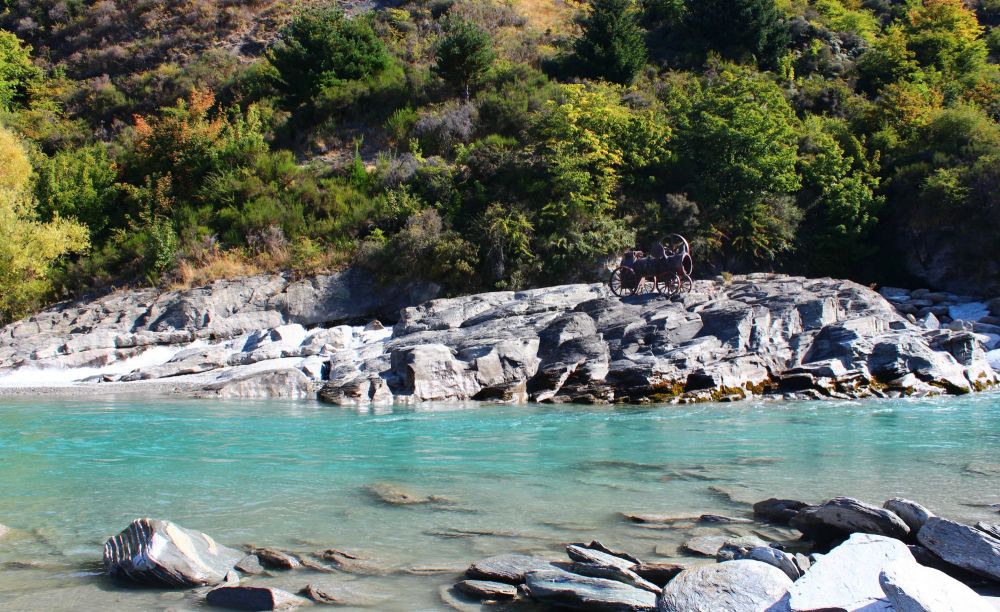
(488, 145)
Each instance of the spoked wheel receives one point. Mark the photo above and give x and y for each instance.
(675, 243)
(688, 264)
(669, 285)
(623, 281)
(685, 283)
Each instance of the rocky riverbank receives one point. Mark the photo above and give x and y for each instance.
(760, 335)
(842, 554)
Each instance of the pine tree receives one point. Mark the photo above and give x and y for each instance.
(737, 28)
(612, 45)
(463, 54)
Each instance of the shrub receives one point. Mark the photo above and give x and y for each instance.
(463, 55)
(612, 44)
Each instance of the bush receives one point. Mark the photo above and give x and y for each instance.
(612, 44)
(463, 55)
(321, 47)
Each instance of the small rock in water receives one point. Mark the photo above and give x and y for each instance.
(597, 545)
(253, 598)
(915, 588)
(159, 552)
(316, 566)
(272, 557)
(912, 513)
(589, 555)
(396, 495)
(716, 518)
(511, 569)
(733, 586)
(990, 528)
(709, 545)
(659, 519)
(250, 565)
(484, 589)
(561, 588)
(319, 595)
(374, 325)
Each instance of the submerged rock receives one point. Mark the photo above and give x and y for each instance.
(153, 551)
(734, 586)
(484, 589)
(511, 569)
(253, 598)
(573, 591)
(273, 557)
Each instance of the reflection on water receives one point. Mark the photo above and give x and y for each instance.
(300, 476)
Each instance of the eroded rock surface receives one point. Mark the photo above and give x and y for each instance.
(735, 586)
(151, 551)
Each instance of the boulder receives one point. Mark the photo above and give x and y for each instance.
(483, 589)
(249, 566)
(963, 546)
(847, 578)
(911, 587)
(772, 556)
(151, 551)
(779, 511)
(912, 513)
(253, 598)
(272, 557)
(839, 517)
(511, 569)
(734, 586)
(598, 557)
(564, 589)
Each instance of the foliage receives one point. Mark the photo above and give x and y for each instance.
(80, 184)
(612, 43)
(29, 248)
(741, 28)
(322, 47)
(464, 54)
(16, 71)
(738, 149)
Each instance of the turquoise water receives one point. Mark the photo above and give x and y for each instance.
(296, 475)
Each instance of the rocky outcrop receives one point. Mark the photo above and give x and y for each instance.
(966, 547)
(159, 552)
(914, 588)
(758, 335)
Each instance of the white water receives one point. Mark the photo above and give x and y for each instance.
(354, 339)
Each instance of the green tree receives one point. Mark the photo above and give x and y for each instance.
(464, 54)
(612, 45)
(16, 71)
(888, 61)
(81, 184)
(838, 196)
(28, 248)
(321, 47)
(946, 36)
(738, 143)
(738, 28)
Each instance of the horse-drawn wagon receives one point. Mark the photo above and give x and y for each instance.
(667, 269)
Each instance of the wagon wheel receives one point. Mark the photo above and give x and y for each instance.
(675, 243)
(646, 286)
(685, 283)
(669, 285)
(688, 264)
(623, 281)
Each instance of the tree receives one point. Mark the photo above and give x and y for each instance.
(16, 71)
(945, 35)
(28, 248)
(612, 45)
(737, 28)
(321, 47)
(738, 145)
(464, 54)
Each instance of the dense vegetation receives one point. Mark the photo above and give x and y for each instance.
(488, 144)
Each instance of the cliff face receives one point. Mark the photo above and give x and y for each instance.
(268, 336)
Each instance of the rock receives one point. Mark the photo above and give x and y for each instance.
(709, 545)
(659, 573)
(962, 546)
(507, 568)
(154, 551)
(779, 511)
(734, 586)
(839, 517)
(483, 589)
(272, 557)
(847, 578)
(597, 557)
(914, 588)
(725, 520)
(912, 513)
(253, 598)
(319, 595)
(620, 574)
(772, 556)
(250, 566)
(573, 591)
(596, 545)
(989, 528)
(396, 495)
